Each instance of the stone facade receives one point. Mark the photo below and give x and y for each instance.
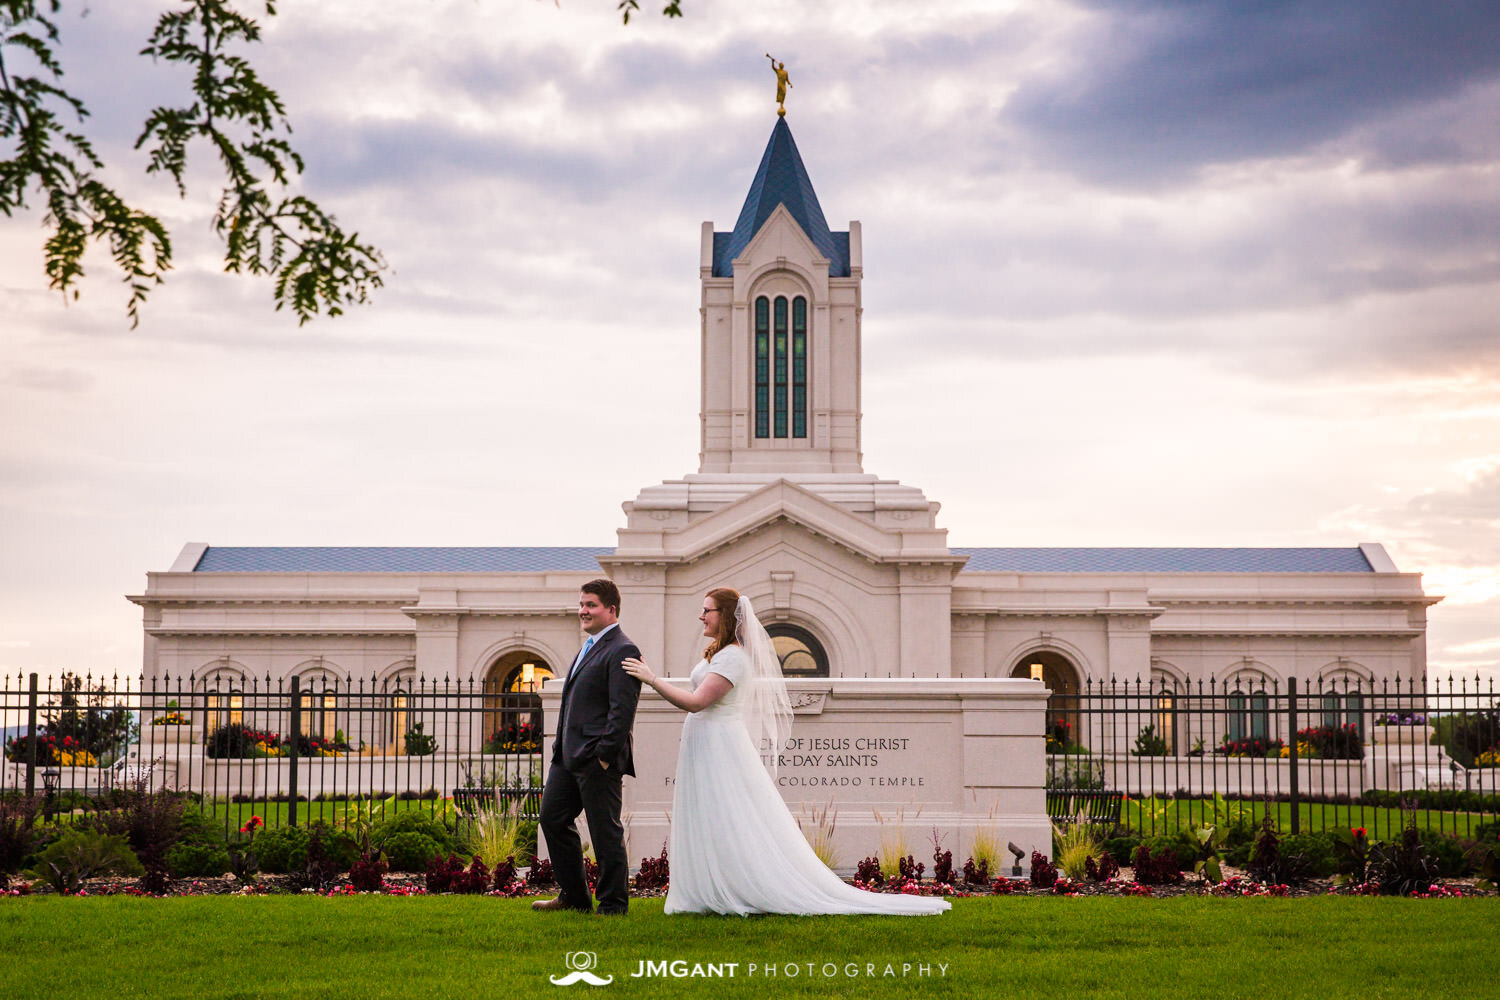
(836, 558)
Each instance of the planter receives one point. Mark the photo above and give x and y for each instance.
(1406, 735)
(169, 736)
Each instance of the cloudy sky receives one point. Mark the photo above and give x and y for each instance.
(1142, 272)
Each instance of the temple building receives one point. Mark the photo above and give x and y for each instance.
(852, 573)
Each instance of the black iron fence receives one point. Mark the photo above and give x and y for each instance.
(306, 746)
(1156, 755)
(1329, 754)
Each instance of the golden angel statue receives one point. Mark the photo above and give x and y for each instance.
(782, 82)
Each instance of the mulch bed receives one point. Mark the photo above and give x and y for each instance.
(1236, 883)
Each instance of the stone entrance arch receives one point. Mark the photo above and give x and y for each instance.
(1062, 678)
(800, 652)
(512, 717)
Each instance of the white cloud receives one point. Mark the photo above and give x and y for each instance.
(1282, 337)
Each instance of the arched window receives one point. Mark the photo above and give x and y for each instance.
(1249, 715)
(800, 652)
(1166, 717)
(224, 708)
(1354, 712)
(512, 721)
(396, 696)
(319, 711)
(1065, 720)
(780, 367)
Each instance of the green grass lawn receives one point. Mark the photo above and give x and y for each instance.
(235, 814)
(1382, 823)
(385, 947)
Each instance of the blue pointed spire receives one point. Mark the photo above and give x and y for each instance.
(781, 180)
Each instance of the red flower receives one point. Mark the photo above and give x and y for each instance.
(252, 824)
(1359, 832)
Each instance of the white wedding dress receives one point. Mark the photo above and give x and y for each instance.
(734, 846)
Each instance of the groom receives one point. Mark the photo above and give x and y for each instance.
(590, 757)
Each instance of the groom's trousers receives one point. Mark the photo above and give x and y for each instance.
(596, 792)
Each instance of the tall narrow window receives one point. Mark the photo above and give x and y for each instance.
(1260, 716)
(762, 367)
(1166, 719)
(1236, 718)
(400, 719)
(799, 367)
(1354, 712)
(779, 344)
(1331, 710)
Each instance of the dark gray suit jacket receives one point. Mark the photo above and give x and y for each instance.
(598, 708)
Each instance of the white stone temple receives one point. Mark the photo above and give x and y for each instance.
(852, 572)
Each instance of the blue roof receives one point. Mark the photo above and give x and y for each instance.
(585, 559)
(1345, 560)
(387, 559)
(781, 180)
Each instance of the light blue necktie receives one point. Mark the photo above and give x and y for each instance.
(584, 653)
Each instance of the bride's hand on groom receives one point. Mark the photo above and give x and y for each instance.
(638, 669)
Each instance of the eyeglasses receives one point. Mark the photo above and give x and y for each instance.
(709, 611)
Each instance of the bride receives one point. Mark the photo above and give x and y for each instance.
(734, 846)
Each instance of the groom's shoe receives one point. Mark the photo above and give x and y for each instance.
(556, 904)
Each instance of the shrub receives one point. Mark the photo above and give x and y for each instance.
(942, 866)
(515, 738)
(197, 860)
(476, 879)
(234, 741)
(1331, 742)
(288, 850)
(326, 853)
(1180, 848)
(417, 743)
(504, 878)
(1307, 855)
(494, 832)
(83, 854)
(868, 872)
(448, 875)
(1255, 747)
(1148, 743)
(18, 834)
(1072, 846)
(367, 874)
(654, 873)
(1404, 867)
(977, 874)
(1043, 872)
(414, 821)
(274, 848)
(1265, 858)
(410, 851)
(339, 846)
(1101, 869)
(1448, 853)
(1156, 869)
(1238, 855)
(1121, 848)
(910, 868)
(1470, 734)
(541, 873)
(1351, 848)
(196, 827)
(150, 822)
